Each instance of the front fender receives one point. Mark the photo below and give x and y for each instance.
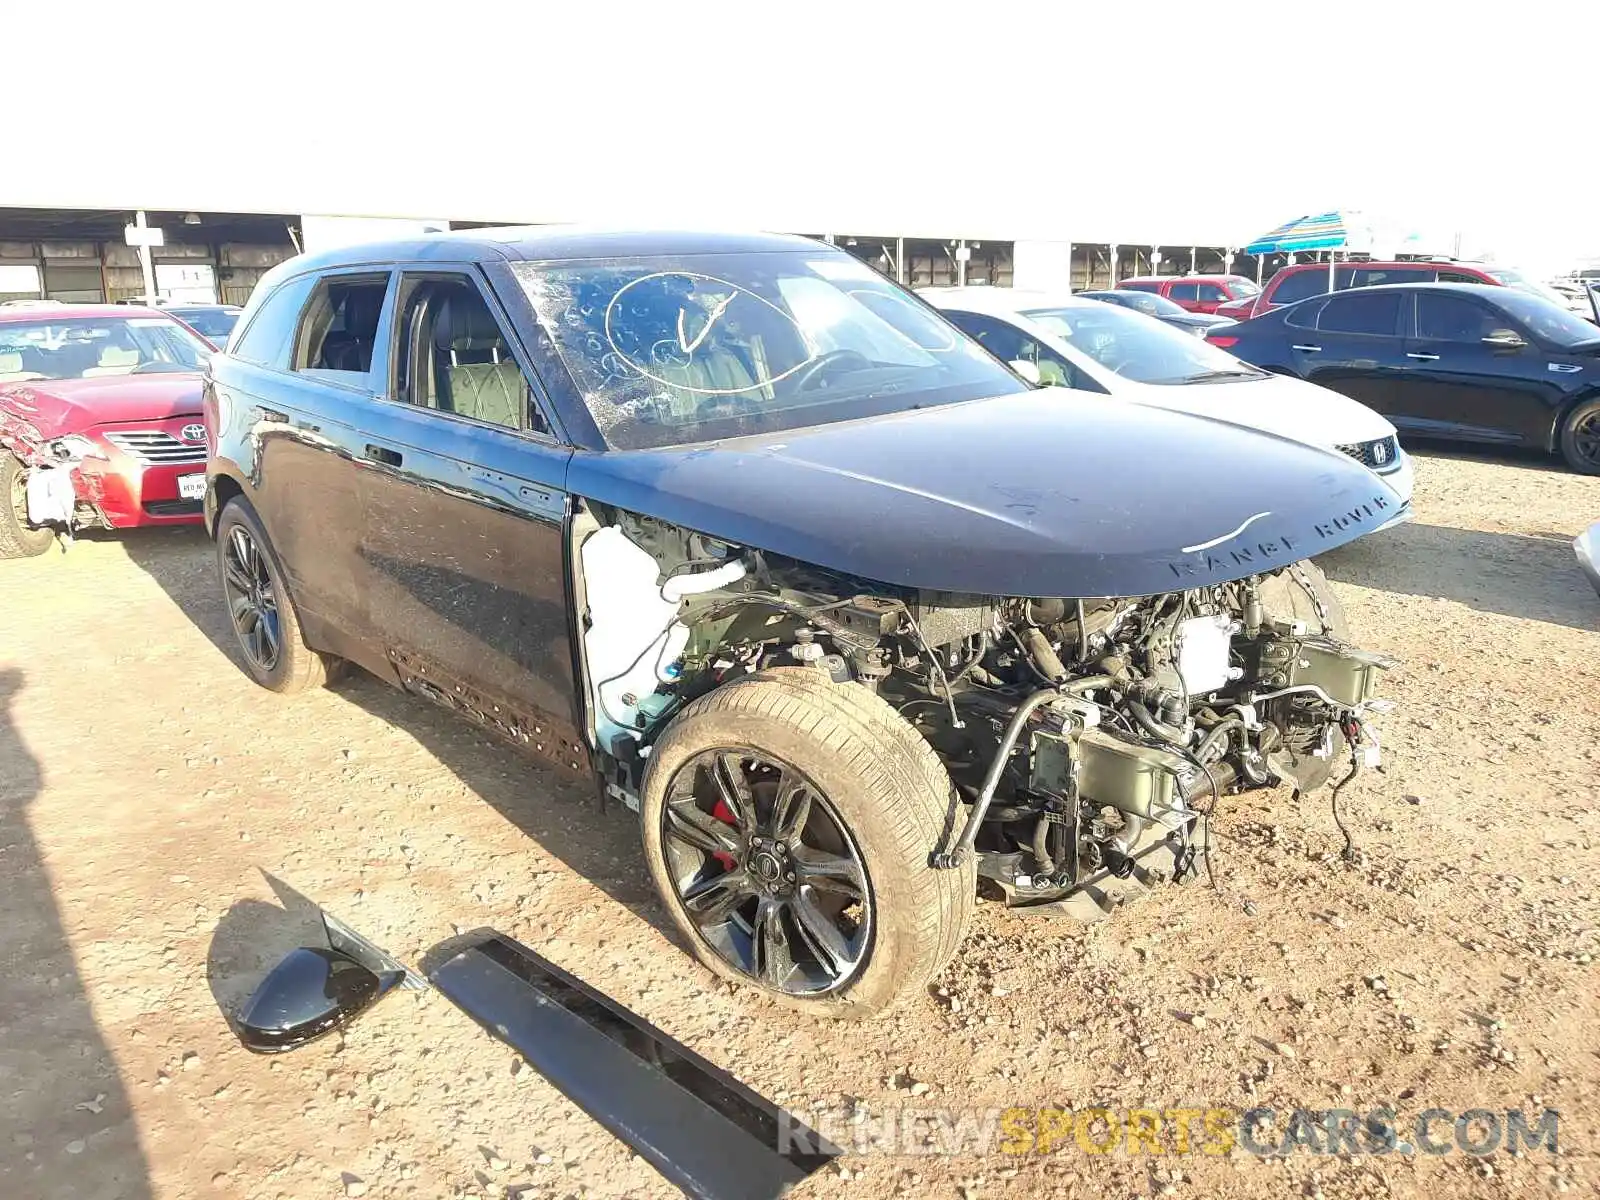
(224, 480)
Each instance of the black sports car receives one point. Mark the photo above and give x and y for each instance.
(752, 539)
(1162, 309)
(1450, 360)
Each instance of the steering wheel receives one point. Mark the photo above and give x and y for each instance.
(813, 371)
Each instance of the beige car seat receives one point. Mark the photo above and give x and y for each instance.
(484, 379)
(12, 371)
(114, 360)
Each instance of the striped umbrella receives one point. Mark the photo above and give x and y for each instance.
(1324, 231)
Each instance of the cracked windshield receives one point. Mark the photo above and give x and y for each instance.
(668, 352)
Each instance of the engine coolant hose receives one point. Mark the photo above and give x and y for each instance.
(1008, 741)
(1219, 734)
(1155, 728)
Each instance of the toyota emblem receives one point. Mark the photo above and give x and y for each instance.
(193, 433)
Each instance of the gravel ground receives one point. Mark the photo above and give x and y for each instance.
(162, 822)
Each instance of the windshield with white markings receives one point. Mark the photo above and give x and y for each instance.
(673, 351)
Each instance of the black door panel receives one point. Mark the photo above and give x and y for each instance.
(464, 553)
(464, 540)
(1355, 347)
(1459, 385)
(306, 441)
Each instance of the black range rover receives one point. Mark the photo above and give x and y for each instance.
(751, 537)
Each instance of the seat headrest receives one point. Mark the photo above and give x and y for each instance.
(10, 362)
(463, 323)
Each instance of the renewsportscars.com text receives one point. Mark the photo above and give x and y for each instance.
(1213, 1131)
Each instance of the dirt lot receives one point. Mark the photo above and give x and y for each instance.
(162, 821)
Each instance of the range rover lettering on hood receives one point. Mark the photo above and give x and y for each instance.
(1266, 553)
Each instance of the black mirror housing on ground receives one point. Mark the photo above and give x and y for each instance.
(315, 990)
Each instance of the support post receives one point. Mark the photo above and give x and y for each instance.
(145, 263)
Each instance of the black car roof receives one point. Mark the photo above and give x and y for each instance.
(537, 243)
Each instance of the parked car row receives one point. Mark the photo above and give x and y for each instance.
(1467, 362)
(1166, 311)
(1194, 293)
(1300, 281)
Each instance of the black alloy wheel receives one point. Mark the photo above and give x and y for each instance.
(252, 596)
(1583, 439)
(767, 871)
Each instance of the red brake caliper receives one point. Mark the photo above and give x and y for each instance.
(723, 813)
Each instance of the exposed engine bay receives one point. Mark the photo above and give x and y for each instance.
(1089, 739)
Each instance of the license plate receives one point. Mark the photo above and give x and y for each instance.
(192, 487)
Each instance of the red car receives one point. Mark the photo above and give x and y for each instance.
(1197, 293)
(99, 421)
(1304, 280)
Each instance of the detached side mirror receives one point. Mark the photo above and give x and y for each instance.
(1028, 370)
(1505, 339)
(317, 989)
(313, 991)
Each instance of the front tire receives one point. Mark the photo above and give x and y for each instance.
(789, 823)
(1580, 438)
(259, 606)
(18, 539)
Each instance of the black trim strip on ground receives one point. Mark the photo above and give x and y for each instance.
(705, 1131)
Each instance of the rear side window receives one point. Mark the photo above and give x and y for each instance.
(339, 331)
(1184, 291)
(1304, 316)
(1140, 287)
(1373, 276)
(270, 334)
(1361, 312)
(1461, 277)
(1300, 285)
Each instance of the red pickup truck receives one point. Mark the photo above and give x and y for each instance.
(1304, 280)
(1197, 293)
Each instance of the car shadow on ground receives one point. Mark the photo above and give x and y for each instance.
(252, 937)
(69, 1129)
(560, 814)
(1534, 576)
(183, 562)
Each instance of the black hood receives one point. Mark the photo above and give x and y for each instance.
(1035, 494)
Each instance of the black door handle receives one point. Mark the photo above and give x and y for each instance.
(384, 455)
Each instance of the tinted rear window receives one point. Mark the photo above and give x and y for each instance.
(1373, 276)
(1299, 286)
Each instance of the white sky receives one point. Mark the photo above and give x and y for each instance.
(1181, 121)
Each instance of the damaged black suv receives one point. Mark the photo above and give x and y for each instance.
(747, 534)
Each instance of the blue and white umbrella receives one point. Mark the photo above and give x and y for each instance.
(1322, 231)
